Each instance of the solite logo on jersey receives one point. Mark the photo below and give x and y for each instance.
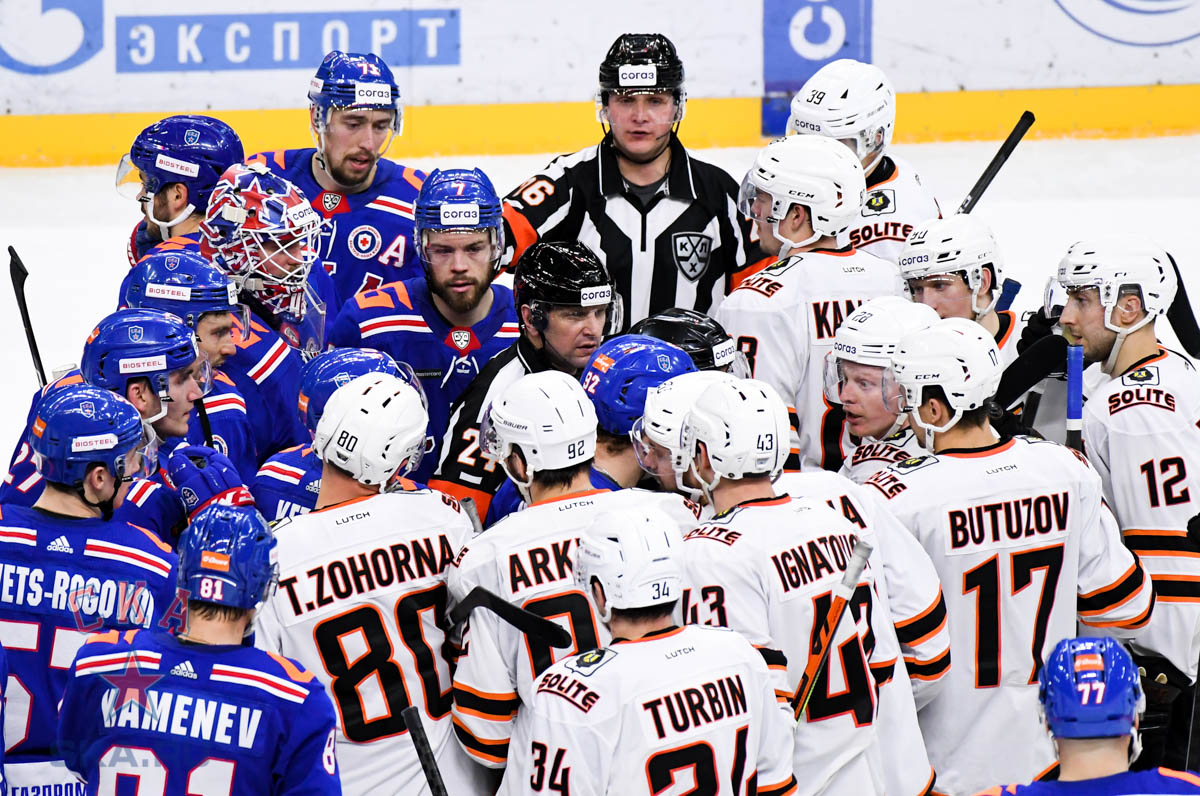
(639, 75)
(460, 215)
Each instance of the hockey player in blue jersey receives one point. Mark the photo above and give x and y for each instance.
(150, 358)
(288, 483)
(1091, 697)
(187, 285)
(617, 377)
(73, 570)
(171, 169)
(367, 201)
(198, 711)
(448, 323)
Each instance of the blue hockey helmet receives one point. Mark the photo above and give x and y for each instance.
(80, 425)
(458, 200)
(321, 376)
(1090, 688)
(620, 373)
(137, 343)
(355, 80)
(227, 557)
(185, 284)
(188, 149)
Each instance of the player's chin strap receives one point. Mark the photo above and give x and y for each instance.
(930, 429)
(787, 244)
(164, 227)
(705, 486)
(1111, 362)
(105, 506)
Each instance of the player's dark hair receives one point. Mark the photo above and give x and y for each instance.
(648, 613)
(614, 444)
(222, 613)
(980, 416)
(560, 477)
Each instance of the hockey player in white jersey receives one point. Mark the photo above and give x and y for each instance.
(765, 566)
(661, 704)
(955, 266)
(542, 431)
(855, 372)
(855, 103)
(1140, 433)
(1024, 547)
(803, 192)
(362, 594)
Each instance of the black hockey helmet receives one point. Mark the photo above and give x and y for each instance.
(553, 273)
(642, 63)
(705, 340)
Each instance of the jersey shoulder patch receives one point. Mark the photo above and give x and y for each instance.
(588, 663)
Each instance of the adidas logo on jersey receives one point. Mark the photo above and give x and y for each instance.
(314, 486)
(60, 545)
(184, 670)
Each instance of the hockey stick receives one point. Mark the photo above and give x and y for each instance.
(1183, 321)
(416, 731)
(1008, 292)
(825, 633)
(19, 274)
(528, 623)
(472, 511)
(1075, 397)
(1026, 372)
(1018, 132)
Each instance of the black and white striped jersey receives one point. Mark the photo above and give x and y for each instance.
(682, 248)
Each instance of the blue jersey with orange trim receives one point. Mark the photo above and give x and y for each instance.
(401, 320)
(204, 719)
(368, 239)
(66, 577)
(266, 371)
(1129, 783)
(508, 499)
(154, 503)
(288, 484)
(23, 484)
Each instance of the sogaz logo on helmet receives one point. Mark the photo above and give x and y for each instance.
(1142, 23)
(913, 259)
(845, 348)
(372, 94)
(465, 214)
(594, 296)
(637, 75)
(801, 124)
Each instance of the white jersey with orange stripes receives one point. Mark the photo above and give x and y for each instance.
(784, 319)
(675, 706)
(896, 202)
(766, 568)
(912, 594)
(527, 559)
(1140, 433)
(362, 602)
(1024, 547)
(871, 455)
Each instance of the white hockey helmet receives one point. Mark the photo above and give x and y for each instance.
(818, 173)
(870, 337)
(662, 421)
(635, 554)
(1117, 267)
(744, 427)
(955, 354)
(847, 100)
(548, 417)
(373, 427)
(959, 244)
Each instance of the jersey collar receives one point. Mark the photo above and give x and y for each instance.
(653, 634)
(679, 175)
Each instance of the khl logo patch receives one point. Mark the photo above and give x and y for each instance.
(691, 250)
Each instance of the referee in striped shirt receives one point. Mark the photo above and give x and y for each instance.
(665, 224)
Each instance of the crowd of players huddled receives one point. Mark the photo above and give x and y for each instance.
(736, 490)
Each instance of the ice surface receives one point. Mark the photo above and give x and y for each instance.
(70, 226)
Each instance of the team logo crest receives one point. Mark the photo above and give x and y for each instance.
(1141, 377)
(341, 379)
(589, 662)
(915, 463)
(691, 250)
(330, 201)
(881, 201)
(88, 408)
(171, 262)
(664, 362)
(135, 334)
(191, 137)
(189, 497)
(461, 338)
(365, 242)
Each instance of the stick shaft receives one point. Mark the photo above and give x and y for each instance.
(1018, 132)
(1075, 397)
(416, 731)
(19, 274)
